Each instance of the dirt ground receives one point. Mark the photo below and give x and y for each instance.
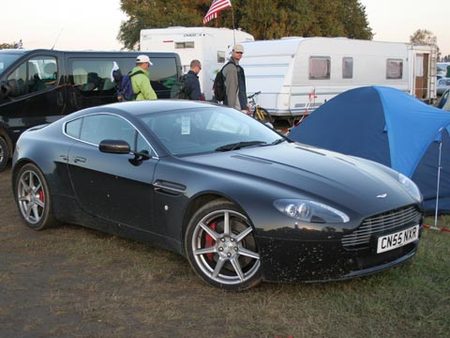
(70, 281)
(73, 282)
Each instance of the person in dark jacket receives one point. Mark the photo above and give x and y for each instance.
(236, 93)
(191, 82)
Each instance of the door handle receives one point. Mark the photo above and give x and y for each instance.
(79, 159)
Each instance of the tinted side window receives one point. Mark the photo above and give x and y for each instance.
(163, 75)
(73, 128)
(97, 128)
(34, 75)
(92, 74)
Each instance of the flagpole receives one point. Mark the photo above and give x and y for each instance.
(234, 28)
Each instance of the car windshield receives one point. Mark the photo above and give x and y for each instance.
(6, 59)
(209, 129)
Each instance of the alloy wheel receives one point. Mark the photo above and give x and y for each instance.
(224, 248)
(31, 197)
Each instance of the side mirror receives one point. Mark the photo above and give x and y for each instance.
(9, 88)
(122, 147)
(4, 90)
(114, 147)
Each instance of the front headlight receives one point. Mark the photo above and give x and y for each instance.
(310, 211)
(410, 187)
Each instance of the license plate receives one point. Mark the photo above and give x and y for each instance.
(397, 239)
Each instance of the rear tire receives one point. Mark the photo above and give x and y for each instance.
(221, 248)
(33, 197)
(5, 153)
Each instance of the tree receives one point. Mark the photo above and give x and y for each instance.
(264, 19)
(6, 45)
(423, 37)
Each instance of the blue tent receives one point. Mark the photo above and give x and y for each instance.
(390, 127)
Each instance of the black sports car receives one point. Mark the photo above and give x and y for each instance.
(241, 202)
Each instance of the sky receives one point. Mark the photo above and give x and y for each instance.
(397, 20)
(95, 24)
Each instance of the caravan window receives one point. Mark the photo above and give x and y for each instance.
(394, 69)
(186, 44)
(319, 67)
(347, 68)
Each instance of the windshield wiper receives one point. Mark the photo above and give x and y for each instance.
(278, 141)
(239, 145)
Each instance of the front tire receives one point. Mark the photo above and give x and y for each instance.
(221, 248)
(33, 197)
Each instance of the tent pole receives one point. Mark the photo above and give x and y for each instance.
(437, 188)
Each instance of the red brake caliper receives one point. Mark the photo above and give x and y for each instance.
(41, 196)
(209, 241)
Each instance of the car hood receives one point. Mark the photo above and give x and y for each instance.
(331, 177)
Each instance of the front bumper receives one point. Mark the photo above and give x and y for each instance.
(285, 260)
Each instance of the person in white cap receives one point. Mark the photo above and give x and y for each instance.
(236, 93)
(140, 79)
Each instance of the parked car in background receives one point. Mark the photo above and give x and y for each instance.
(241, 202)
(444, 102)
(41, 86)
(442, 85)
(442, 69)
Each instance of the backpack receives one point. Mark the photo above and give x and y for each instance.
(179, 90)
(124, 88)
(219, 85)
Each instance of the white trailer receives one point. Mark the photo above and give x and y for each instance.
(296, 75)
(209, 45)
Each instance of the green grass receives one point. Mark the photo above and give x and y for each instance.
(70, 281)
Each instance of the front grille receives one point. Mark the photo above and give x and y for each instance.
(388, 221)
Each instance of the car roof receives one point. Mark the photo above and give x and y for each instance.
(138, 108)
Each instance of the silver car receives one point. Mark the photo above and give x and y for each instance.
(442, 85)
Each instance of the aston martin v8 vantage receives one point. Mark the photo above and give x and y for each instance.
(241, 202)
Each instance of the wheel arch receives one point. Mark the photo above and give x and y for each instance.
(200, 200)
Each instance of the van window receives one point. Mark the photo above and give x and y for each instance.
(347, 68)
(163, 75)
(34, 75)
(92, 75)
(319, 67)
(6, 59)
(394, 69)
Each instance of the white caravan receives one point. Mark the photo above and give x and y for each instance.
(296, 75)
(209, 45)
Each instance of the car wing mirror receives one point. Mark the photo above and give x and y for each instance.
(114, 147)
(8, 88)
(122, 147)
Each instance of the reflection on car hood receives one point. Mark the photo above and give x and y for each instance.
(330, 175)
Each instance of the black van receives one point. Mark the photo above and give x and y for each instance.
(40, 86)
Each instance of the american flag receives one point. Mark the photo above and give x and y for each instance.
(216, 7)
